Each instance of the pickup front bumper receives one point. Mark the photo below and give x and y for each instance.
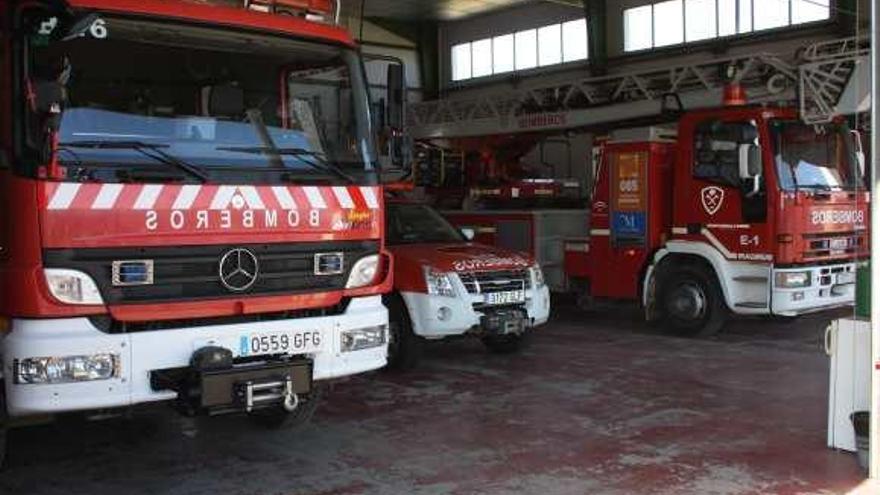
(435, 317)
(141, 353)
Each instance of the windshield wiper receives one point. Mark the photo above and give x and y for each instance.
(151, 150)
(320, 162)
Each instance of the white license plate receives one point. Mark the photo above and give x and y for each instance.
(506, 297)
(264, 343)
(839, 244)
(846, 278)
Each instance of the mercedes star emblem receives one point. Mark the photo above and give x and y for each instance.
(239, 269)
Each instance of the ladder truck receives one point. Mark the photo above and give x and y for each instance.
(192, 209)
(706, 202)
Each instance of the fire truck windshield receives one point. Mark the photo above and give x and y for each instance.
(814, 157)
(415, 224)
(226, 105)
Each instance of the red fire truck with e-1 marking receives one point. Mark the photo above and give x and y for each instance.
(193, 212)
(740, 209)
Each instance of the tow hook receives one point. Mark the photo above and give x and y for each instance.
(258, 393)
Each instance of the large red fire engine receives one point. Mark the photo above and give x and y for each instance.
(192, 209)
(741, 209)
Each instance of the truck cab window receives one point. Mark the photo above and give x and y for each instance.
(716, 150)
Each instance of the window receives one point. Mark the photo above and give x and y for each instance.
(673, 22)
(546, 45)
(700, 20)
(502, 54)
(481, 57)
(668, 23)
(637, 28)
(550, 45)
(717, 150)
(574, 40)
(461, 62)
(526, 47)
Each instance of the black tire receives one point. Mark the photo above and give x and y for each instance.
(404, 346)
(504, 344)
(692, 302)
(276, 417)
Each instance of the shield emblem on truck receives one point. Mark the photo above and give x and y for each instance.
(712, 198)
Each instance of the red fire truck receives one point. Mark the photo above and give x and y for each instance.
(193, 212)
(738, 209)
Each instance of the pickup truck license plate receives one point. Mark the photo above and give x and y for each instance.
(294, 342)
(506, 297)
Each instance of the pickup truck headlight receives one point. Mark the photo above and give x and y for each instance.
(72, 286)
(67, 369)
(793, 280)
(537, 276)
(438, 283)
(363, 272)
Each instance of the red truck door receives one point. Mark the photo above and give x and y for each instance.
(713, 203)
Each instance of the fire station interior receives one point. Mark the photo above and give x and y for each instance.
(687, 180)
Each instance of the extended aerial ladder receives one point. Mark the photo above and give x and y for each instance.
(826, 79)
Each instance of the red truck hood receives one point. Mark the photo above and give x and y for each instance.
(109, 215)
(457, 257)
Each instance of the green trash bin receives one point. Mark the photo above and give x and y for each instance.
(863, 290)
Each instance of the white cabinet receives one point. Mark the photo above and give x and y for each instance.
(848, 343)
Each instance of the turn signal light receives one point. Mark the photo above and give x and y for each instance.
(5, 325)
(785, 238)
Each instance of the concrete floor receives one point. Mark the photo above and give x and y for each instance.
(597, 404)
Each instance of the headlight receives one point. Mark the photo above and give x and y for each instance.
(792, 280)
(438, 283)
(72, 286)
(363, 338)
(363, 272)
(67, 369)
(537, 276)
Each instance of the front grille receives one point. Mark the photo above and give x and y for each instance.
(496, 281)
(193, 272)
(834, 244)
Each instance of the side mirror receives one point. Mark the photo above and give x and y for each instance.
(396, 96)
(860, 152)
(749, 161)
(468, 233)
(79, 27)
(750, 167)
(49, 96)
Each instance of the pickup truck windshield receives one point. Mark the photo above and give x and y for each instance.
(229, 105)
(814, 157)
(415, 224)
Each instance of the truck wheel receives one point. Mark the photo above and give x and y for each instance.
(404, 346)
(504, 344)
(693, 304)
(277, 417)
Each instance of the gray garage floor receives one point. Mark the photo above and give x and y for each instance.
(596, 404)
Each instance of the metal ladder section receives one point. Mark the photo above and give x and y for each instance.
(834, 79)
(821, 81)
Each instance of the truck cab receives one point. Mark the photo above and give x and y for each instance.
(192, 211)
(739, 209)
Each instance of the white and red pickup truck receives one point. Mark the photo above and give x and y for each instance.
(445, 286)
